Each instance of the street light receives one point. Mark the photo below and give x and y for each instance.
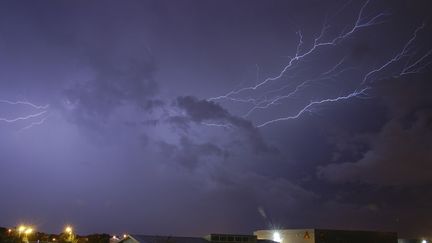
(28, 231)
(277, 237)
(68, 229)
(21, 229)
(70, 236)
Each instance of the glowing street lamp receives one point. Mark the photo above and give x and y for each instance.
(28, 231)
(70, 236)
(277, 237)
(68, 230)
(21, 229)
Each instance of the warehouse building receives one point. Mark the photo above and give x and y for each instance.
(161, 239)
(414, 240)
(212, 238)
(276, 236)
(326, 236)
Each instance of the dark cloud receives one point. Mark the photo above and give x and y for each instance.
(202, 110)
(361, 51)
(121, 73)
(118, 80)
(199, 111)
(400, 153)
(190, 154)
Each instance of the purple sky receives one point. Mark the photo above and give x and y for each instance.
(194, 117)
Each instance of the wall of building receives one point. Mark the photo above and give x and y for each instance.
(230, 238)
(414, 241)
(346, 236)
(287, 235)
(326, 236)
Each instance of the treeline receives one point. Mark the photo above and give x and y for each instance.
(10, 236)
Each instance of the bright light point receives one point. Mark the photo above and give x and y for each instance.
(21, 228)
(68, 229)
(28, 231)
(424, 241)
(277, 237)
(125, 235)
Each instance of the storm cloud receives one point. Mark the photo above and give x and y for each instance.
(152, 112)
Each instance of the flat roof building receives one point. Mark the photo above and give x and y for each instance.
(326, 236)
(424, 240)
(160, 239)
(212, 238)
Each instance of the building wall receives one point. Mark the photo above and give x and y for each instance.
(287, 235)
(230, 238)
(413, 240)
(346, 236)
(327, 236)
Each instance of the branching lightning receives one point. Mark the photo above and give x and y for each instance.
(405, 52)
(263, 95)
(318, 43)
(35, 117)
(307, 108)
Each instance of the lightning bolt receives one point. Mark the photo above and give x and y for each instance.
(318, 43)
(400, 55)
(273, 101)
(38, 107)
(37, 117)
(227, 126)
(37, 123)
(414, 63)
(360, 93)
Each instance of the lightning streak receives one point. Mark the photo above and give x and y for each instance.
(318, 43)
(22, 118)
(403, 53)
(227, 126)
(37, 123)
(39, 107)
(40, 114)
(415, 67)
(414, 63)
(356, 93)
(325, 76)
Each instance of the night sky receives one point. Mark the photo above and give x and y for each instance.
(193, 117)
